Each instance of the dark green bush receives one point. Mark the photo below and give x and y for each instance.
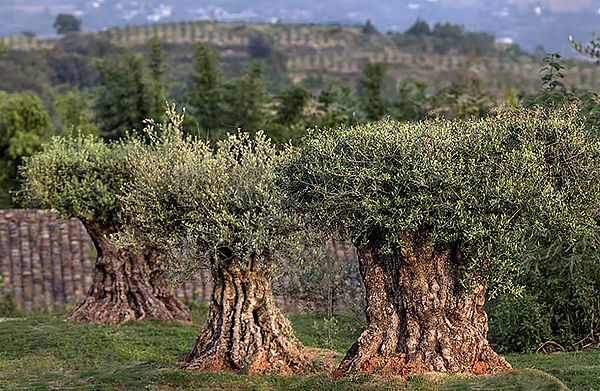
(518, 323)
(561, 302)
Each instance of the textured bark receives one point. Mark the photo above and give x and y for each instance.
(245, 332)
(420, 318)
(127, 286)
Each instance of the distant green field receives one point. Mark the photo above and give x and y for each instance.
(46, 352)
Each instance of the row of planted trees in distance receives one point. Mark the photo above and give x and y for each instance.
(439, 210)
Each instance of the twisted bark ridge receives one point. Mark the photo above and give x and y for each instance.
(245, 332)
(419, 316)
(127, 286)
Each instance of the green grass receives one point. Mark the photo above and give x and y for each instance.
(46, 352)
(312, 330)
(580, 371)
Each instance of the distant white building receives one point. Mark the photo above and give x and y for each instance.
(505, 41)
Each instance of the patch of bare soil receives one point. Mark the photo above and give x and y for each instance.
(396, 365)
(326, 359)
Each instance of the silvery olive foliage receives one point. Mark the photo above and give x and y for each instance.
(206, 206)
(80, 176)
(504, 189)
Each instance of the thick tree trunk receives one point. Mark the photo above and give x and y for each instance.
(245, 332)
(127, 286)
(420, 318)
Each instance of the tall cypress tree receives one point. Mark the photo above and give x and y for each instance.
(371, 84)
(123, 85)
(293, 100)
(246, 98)
(205, 94)
(156, 84)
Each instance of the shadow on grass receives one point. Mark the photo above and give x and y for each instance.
(43, 353)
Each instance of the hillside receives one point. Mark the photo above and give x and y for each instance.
(320, 54)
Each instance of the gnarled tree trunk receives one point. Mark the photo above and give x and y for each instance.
(127, 286)
(420, 318)
(245, 332)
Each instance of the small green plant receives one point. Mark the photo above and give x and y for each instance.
(329, 292)
(199, 309)
(327, 329)
(552, 78)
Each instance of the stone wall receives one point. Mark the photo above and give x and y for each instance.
(46, 263)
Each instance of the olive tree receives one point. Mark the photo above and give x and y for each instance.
(82, 177)
(442, 210)
(220, 209)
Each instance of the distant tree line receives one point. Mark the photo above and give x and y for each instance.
(446, 38)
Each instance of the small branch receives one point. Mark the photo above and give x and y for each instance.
(549, 343)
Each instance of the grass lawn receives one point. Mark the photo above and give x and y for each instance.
(46, 352)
